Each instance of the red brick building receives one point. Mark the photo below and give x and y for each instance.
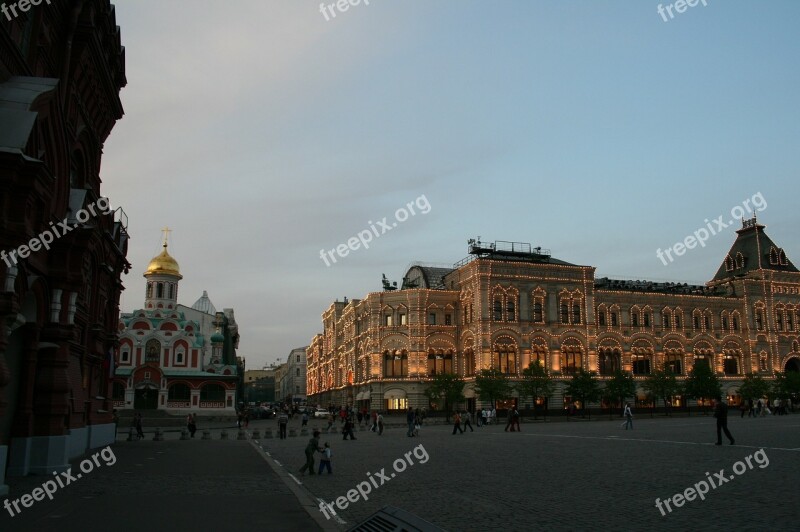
(62, 66)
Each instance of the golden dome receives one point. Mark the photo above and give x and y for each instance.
(163, 264)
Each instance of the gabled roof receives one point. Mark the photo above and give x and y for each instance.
(753, 250)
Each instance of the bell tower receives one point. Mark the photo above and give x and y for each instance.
(163, 275)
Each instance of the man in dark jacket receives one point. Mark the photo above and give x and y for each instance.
(721, 413)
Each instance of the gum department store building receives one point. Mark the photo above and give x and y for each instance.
(507, 305)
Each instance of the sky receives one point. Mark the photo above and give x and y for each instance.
(262, 132)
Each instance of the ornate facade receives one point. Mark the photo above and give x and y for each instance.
(508, 305)
(62, 67)
(176, 358)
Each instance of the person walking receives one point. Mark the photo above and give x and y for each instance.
(509, 420)
(347, 430)
(325, 460)
(304, 418)
(410, 420)
(283, 421)
(466, 418)
(494, 415)
(628, 416)
(191, 424)
(374, 418)
(721, 413)
(115, 419)
(379, 423)
(515, 419)
(457, 423)
(311, 448)
(138, 422)
(483, 417)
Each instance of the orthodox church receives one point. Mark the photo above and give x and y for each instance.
(172, 357)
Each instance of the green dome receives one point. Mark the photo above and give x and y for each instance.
(217, 337)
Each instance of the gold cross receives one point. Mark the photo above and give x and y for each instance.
(166, 232)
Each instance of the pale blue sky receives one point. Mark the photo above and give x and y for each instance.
(260, 133)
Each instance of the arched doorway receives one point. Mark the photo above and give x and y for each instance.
(146, 398)
(793, 364)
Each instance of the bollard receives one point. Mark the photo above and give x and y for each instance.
(158, 436)
(292, 433)
(256, 434)
(206, 434)
(131, 434)
(223, 435)
(184, 434)
(268, 433)
(242, 435)
(304, 431)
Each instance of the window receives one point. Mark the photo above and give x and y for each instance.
(634, 319)
(403, 319)
(440, 363)
(212, 392)
(171, 287)
(790, 320)
(297, 389)
(647, 318)
(735, 323)
(498, 310)
(640, 364)
(739, 261)
(730, 365)
(759, 317)
(762, 361)
(706, 322)
(387, 320)
(179, 392)
(673, 363)
(564, 313)
(298, 358)
(570, 359)
(613, 319)
(601, 318)
(432, 318)
(469, 361)
(724, 322)
(297, 372)
(696, 320)
(728, 264)
(538, 315)
(160, 290)
(149, 290)
(511, 311)
(180, 352)
(395, 364)
(678, 321)
(118, 391)
(125, 356)
(609, 361)
(505, 358)
(666, 321)
(448, 319)
(576, 313)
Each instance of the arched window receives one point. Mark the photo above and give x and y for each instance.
(182, 392)
(564, 313)
(739, 260)
(212, 392)
(149, 290)
(601, 318)
(773, 256)
(728, 264)
(498, 309)
(730, 365)
(640, 360)
(469, 362)
(171, 288)
(538, 310)
(576, 313)
(571, 358)
(160, 290)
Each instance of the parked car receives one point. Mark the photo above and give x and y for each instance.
(321, 412)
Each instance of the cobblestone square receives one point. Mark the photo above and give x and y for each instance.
(579, 475)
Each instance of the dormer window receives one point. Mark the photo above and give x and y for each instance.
(728, 264)
(739, 261)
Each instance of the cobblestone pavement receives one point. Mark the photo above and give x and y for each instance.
(575, 475)
(165, 486)
(567, 475)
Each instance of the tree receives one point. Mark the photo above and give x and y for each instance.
(584, 387)
(702, 383)
(536, 382)
(661, 384)
(787, 385)
(753, 387)
(491, 384)
(446, 386)
(620, 386)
